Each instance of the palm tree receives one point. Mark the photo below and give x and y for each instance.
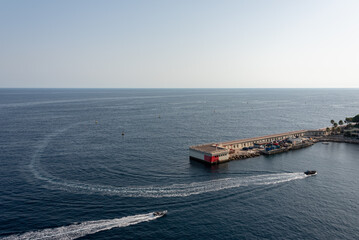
(333, 130)
(340, 122)
(327, 130)
(338, 130)
(332, 121)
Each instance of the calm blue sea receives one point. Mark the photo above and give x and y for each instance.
(67, 172)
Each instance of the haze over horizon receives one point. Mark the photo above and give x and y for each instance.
(179, 44)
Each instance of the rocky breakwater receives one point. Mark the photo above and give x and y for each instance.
(244, 155)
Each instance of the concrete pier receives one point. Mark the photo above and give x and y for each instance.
(215, 153)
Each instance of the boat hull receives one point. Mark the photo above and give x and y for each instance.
(309, 173)
(160, 214)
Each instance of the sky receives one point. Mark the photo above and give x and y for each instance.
(179, 44)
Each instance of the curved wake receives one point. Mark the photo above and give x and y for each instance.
(82, 229)
(174, 190)
(178, 190)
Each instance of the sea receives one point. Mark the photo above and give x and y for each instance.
(96, 164)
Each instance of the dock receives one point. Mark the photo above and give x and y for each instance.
(216, 153)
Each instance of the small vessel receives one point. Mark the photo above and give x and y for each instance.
(326, 143)
(312, 172)
(160, 214)
(123, 133)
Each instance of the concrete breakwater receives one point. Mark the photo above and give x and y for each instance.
(215, 153)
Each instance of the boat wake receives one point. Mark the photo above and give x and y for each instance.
(182, 190)
(78, 230)
(174, 190)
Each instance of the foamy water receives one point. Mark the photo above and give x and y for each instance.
(78, 230)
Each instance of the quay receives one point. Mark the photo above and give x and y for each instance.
(215, 153)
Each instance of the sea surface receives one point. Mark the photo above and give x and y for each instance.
(66, 170)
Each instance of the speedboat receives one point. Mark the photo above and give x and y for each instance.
(160, 214)
(312, 172)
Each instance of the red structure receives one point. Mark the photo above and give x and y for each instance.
(211, 159)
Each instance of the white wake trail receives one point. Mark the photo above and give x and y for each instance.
(178, 190)
(174, 190)
(82, 229)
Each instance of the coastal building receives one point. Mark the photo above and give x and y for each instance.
(316, 132)
(209, 153)
(295, 141)
(352, 133)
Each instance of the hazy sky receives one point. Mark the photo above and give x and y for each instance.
(187, 44)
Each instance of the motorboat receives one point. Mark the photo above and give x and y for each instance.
(312, 172)
(160, 214)
(325, 143)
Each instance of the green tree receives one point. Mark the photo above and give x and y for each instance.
(338, 130)
(341, 122)
(356, 119)
(349, 119)
(335, 124)
(332, 122)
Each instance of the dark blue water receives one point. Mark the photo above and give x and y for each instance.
(58, 167)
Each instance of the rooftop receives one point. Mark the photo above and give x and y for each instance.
(209, 148)
(262, 137)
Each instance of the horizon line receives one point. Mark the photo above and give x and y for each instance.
(178, 88)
